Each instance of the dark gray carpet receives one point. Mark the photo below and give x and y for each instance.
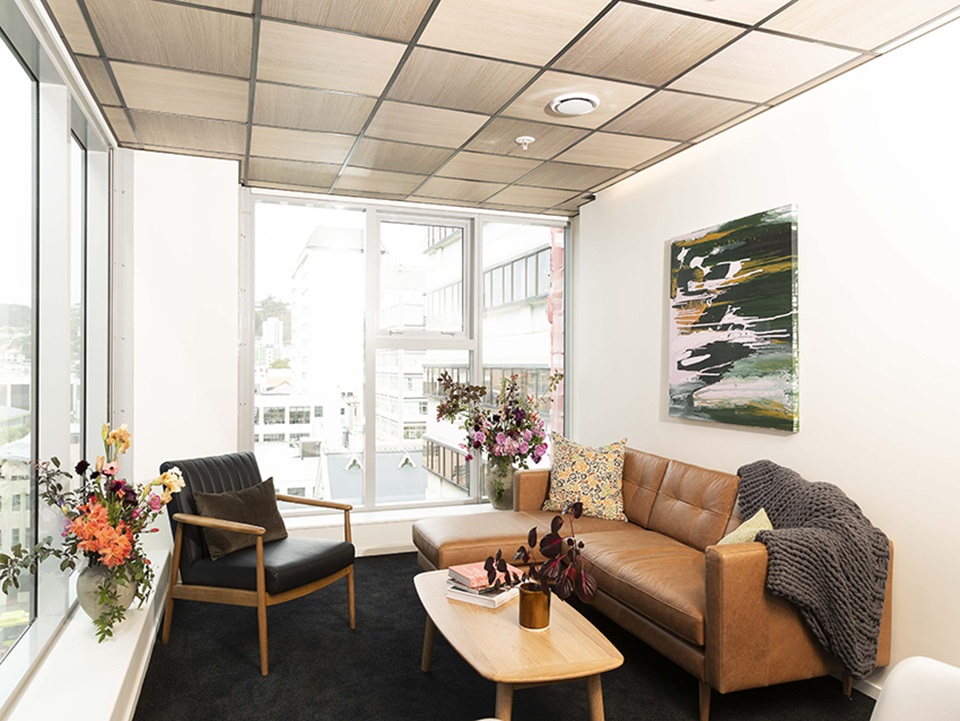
(319, 669)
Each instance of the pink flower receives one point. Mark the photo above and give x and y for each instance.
(469, 457)
(479, 437)
(155, 502)
(501, 438)
(527, 435)
(524, 447)
(110, 468)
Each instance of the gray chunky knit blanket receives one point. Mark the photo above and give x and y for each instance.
(825, 557)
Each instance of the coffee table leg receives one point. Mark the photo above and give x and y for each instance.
(428, 633)
(504, 701)
(595, 698)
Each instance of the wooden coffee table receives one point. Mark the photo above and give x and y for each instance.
(492, 641)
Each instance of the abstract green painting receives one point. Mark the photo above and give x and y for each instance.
(733, 322)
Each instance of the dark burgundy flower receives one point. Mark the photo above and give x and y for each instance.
(82, 467)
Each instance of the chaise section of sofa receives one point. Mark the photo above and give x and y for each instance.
(662, 578)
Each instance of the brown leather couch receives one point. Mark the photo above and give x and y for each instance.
(661, 577)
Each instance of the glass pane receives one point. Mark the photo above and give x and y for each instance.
(418, 457)
(308, 364)
(17, 495)
(78, 201)
(525, 339)
(421, 278)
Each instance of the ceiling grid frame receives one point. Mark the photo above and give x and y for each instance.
(407, 167)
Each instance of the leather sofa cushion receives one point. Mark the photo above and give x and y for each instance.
(694, 504)
(642, 476)
(288, 564)
(449, 540)
(655, 575)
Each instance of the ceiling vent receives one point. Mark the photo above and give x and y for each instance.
(571, 104)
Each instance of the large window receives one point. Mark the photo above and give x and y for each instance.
(358, 310)
(17, 332)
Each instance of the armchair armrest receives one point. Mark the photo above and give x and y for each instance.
(753, 638)
(219, 523)
(345, 507)
(530, 489)
(314, 502)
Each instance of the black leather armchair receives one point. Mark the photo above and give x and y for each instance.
(259, 576)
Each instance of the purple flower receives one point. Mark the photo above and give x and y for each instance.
(501, 438)
(524, 447)
(527, 435)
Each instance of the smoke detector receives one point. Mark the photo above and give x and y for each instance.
(524, 141)
(572, 104)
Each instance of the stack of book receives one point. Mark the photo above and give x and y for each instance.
(469, 582)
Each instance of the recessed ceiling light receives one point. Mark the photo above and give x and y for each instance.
(574, 104)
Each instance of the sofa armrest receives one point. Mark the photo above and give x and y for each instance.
(530, 489)
(753, 638)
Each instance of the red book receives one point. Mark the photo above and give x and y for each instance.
(474, 575)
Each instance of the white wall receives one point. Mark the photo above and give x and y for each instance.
(185, 326)
(871, 159)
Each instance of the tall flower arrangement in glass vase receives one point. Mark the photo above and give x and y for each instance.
(103, 519)
(508, 434)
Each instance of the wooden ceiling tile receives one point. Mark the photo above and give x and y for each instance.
(749, 12)
(761, 66)
(402, 157)
(677, 116)
(643, 45)
(315, 58)
(500, 138)
(526, 31)
(196, 153)
(618, 151)
(427, 126)
(462, 82)
(292, 173)
(467, 191)
(492, 168)
(181, 92)
(300, 145)
(291, 107)
(239, 6)
(568, 176)
(614, 98)
(729, 124)
(174, 36)
(378, 181)
(533, 197)
(117, 117)
(73, 26)
(394, 19)
(181, 131)
(854, 22)
(95, 72)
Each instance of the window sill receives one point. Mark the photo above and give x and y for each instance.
(110, 693)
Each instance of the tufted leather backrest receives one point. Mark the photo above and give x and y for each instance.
(642, 476)
(694, 504)
(212, 474)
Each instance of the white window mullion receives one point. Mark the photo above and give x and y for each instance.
(371, 329)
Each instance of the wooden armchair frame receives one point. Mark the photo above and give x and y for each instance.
(259, 599)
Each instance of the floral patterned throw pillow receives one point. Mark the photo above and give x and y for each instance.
(593, 476)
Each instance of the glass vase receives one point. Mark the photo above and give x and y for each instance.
(88, 590)
(498, 485)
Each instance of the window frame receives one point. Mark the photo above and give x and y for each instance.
(375, 339)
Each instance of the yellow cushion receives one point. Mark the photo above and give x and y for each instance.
(748, 530)
(593, 476)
